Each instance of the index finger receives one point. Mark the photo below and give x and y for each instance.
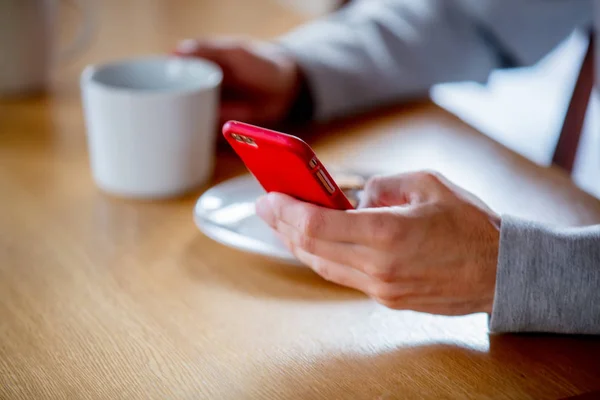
(214, 48)
(361, 227)
(231, 54)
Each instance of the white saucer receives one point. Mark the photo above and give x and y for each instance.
(226, 214)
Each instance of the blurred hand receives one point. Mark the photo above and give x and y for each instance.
(417, 243)
(260, 81)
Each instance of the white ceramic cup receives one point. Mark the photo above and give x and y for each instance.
(151, 124)
(28, 48)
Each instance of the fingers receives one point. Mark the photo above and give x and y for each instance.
(308, 219)
(403, 189)
(213, 49)
(415, 296)
(355, 256)
(230, 53)
(260, 81)
(237, 111)
(369, 227)
(380, 266)
(247, 65)
(333, 272)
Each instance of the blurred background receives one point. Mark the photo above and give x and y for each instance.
(521, 108)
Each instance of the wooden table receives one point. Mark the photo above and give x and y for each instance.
(103, 298)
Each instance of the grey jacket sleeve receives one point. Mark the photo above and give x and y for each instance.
(548, 279)
(378, 51)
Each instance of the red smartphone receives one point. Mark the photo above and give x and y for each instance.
(285, 164)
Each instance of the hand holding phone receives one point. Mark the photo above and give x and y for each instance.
(285, 164)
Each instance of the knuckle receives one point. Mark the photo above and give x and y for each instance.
(429, 176)
(382, 273)
(242, 46)
(379, 226)
(374, 184)
(322, 270)
(307, 243)
(386, 230)
(382, 293)
(397, 233)
(391, 304)
(436, 178)
(378, 190)
(238, 49)
(277, 224)
(312, 223)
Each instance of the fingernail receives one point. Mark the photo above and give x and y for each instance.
(186, 46)
(264, 210)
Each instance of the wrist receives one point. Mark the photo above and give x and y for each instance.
(299, 100)
(491, 263)
(496, 221)
(301, 107)
(296, 100)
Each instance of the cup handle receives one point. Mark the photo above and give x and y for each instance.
(84, 32)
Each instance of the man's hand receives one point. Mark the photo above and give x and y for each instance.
(417, 242)
(260, 82)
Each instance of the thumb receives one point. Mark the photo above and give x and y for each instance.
(402, 189)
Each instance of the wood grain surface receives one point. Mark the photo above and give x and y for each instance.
(106, 298)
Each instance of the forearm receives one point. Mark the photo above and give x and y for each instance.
(377, 51)
(374, 52)
(548, 279)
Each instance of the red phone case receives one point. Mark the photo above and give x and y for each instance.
(285, 164)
